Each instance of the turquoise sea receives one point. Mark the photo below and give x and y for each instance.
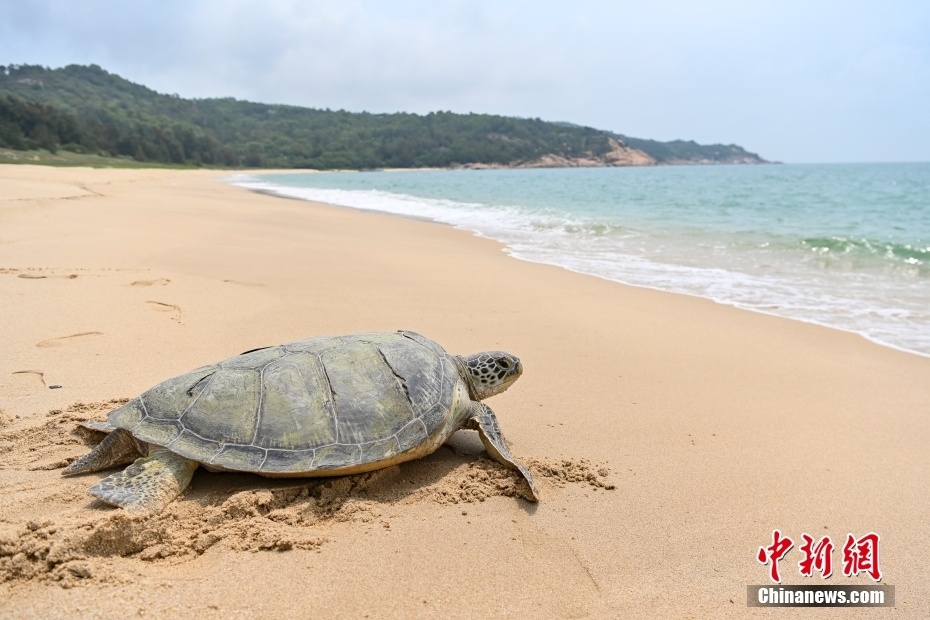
(846, 245)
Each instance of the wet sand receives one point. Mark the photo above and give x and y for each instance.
(669, 435)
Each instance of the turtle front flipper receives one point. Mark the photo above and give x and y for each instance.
(149, 484)
(484, 421)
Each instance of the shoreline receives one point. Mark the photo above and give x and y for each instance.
(669, 435)
(506, 248)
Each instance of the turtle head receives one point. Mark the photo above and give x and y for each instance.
(491, 372)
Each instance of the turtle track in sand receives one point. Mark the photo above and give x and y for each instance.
(173, 309)
(61, 340)
(80, 540)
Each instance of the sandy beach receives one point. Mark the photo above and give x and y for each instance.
(669, 435)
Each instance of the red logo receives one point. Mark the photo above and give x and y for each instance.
(775, 552)
(859, 556)
(817, 557)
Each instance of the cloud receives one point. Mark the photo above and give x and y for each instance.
(789, 79)
(346, 55)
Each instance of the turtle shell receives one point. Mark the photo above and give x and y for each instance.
(319, 404)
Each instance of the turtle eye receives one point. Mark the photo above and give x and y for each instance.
(503, 363)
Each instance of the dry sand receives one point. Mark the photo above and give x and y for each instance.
(669, 435)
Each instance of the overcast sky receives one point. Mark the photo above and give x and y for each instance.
(793, 80)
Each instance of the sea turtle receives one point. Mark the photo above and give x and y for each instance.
(318, 407)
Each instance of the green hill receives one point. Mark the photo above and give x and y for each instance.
(690, 152)
(85, 109)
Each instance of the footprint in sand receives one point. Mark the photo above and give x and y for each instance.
(163, 307)
(36, 276)
(159, 282)
(38, 273)
(31, 375)
(57, 342)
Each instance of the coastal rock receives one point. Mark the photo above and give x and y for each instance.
(620, 154)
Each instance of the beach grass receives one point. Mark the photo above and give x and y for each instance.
(63, 158)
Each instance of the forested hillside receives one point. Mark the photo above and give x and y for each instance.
(690, 152)
(88, 110)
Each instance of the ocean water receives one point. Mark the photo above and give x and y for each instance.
(846, 245)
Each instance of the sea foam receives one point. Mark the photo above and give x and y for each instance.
(698, 232)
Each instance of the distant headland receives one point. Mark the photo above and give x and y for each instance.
(87, 110)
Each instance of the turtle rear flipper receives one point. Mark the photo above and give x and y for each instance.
(149, 484)
(484, 421)
(117, 448)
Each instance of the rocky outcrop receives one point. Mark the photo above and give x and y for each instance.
(619, 155)
(623, 155)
